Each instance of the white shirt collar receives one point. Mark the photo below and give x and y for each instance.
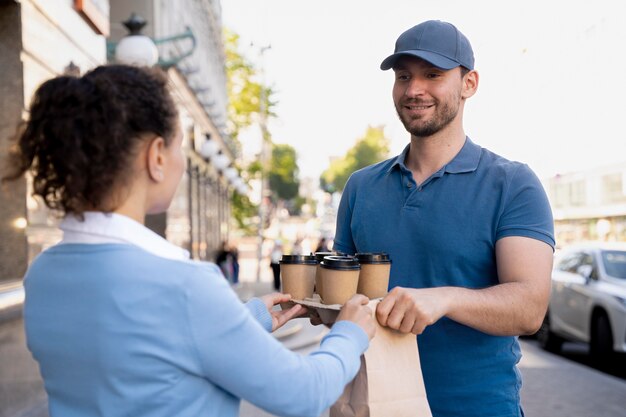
(101, 227)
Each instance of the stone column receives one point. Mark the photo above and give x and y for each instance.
(14, 247)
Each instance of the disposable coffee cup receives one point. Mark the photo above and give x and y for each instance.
(319, 256)
(340, 278)
(374, 275)
(298, 276)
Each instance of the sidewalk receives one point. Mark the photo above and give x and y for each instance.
(249, 284)
(557, 387)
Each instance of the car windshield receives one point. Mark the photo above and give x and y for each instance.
(614, 263)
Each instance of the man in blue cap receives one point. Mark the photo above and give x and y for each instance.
(470, 233)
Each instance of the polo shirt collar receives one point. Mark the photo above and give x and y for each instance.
(398, 161)
(465, 161)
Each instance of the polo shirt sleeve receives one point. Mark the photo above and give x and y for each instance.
(238, 355)
(344, 242)
(526, 211)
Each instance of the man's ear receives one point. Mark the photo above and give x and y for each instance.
(156, 159)
(470, 84)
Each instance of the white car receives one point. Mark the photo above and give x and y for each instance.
(588, 300)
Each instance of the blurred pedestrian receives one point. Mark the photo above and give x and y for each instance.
(234, 252)
(322, 245)
(469, 232)
(296, 249)
(275, 256)
(224, 259)
(122, 322)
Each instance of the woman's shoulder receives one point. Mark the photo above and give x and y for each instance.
(125, 259)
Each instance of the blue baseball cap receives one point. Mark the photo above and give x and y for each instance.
(437, 42)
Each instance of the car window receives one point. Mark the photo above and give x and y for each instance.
(587, 259)
(570, 262)
(614, 263)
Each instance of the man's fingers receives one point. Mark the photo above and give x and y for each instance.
(384, 308)
(394, 319)
(407, 324)
(418, 328)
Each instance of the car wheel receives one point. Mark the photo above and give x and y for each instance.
(547, 339)
(601, 345)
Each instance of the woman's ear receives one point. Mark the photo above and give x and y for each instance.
(156, 159)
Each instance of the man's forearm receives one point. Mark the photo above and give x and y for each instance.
(513, 308)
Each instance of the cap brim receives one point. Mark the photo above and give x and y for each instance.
(435, 59)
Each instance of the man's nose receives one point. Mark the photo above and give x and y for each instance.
(415, 87)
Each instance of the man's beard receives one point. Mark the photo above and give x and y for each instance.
(444, 115)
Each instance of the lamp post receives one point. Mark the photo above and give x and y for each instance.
(141, 50)
(136, 48)
(210, 148)
(221, 161)
(263, 161)
(231, 174)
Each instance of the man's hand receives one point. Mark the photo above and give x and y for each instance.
(514, 306)
(280, 317)
(410, 310)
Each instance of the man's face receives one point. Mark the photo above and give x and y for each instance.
(427, 98)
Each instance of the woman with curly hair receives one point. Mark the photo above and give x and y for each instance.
(121, 321)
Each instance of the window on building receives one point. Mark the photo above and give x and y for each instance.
(578, 195)
(560, 194)
(613, 188)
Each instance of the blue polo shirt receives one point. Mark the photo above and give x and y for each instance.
(443, 232)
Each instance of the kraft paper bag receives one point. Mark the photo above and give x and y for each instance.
(389, 382)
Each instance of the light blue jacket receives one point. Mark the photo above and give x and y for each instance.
(118, 331)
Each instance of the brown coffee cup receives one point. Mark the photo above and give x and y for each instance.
(374, 275)
(298, 275)
(340, 279)
(319, 256)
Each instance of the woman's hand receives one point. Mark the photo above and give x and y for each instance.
(280, 317)
(357, 311)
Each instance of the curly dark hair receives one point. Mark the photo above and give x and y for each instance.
(83, 133)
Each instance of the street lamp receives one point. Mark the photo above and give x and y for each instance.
(231, 174)
(240, 186)
(136, 48)
(210, 148)
(221, 161)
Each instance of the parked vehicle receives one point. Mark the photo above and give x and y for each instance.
(588, 300)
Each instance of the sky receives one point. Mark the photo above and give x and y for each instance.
(552, 75)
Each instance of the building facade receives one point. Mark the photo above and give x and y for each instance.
(40, 39)
(589, 205)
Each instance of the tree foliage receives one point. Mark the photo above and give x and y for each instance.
(283, 172)
(244, 95)
(368, 150)
(249, 101)
(245, 92)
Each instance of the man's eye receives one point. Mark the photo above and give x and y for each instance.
(433, 75)
(402, 77)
